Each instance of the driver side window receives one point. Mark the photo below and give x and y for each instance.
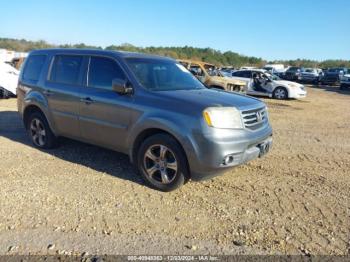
(102, 71)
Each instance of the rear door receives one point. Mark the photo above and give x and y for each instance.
(62, 89)
(104, 114)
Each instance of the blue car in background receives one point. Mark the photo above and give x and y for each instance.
(333, 75)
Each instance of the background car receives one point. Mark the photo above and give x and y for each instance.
(311, 75)
(8, 80)
(269, 85)
(345, 81)
(293, 73)
(333, 75)
(210, 76)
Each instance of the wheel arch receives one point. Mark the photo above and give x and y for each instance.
(31, 108)
(148, 132)
(284, 87)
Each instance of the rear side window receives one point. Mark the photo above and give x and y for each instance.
(66, 69)
(244, 74)
(33, 67)
(102, 71)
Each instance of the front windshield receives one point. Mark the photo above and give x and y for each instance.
(335, 70)
(212, 70)
(162, 75)
(293, 69)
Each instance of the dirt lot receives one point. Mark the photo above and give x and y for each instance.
(80, 198)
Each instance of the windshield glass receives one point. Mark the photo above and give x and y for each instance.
(293, 69)
(212, 70)
(335, 70)
(160, 75)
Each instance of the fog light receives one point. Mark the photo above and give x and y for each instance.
(228, 160)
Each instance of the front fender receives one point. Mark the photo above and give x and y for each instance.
(170, 124)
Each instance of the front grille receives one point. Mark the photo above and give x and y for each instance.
(255, 118)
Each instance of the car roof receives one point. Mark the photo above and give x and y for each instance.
(122, 54)
(253, 70)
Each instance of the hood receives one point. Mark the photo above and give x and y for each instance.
(204, 98)
(309, 73)
(224, 80)
(332, 73)
(288, 83)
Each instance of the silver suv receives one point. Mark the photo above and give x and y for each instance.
(172, 127)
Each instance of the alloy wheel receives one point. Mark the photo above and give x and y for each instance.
(160, 164)
(280, 93)
(38, 132)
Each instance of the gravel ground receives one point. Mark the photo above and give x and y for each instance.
(81, 198)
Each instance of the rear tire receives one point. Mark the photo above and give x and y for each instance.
(161, 163)
(280, 93)
(40, 132)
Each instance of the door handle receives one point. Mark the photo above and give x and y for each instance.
(48, 92)
(87, 100)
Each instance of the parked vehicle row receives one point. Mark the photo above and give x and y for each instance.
(330, 76)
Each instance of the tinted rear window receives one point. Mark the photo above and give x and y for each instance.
(33, 67)
(66, 69)
(244, 74)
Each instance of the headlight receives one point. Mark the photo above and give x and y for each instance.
(223, 117)
(292, 85)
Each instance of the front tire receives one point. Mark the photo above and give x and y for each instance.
(161, 163)
(40, 132)
(280, 93)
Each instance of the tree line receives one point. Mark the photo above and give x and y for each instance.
(209, 55)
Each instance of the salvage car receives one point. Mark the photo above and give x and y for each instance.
(8, 80)
(311, 75)
(152, 108)
(293, 73)
(210, 76)
(333, 75)
(261, 83)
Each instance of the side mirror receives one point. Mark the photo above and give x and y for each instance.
(121, 86)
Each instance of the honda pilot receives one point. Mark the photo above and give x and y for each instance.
(151, 108)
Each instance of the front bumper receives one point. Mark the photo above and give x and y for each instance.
(345, 84)
(297, 94)
(309, 78)
(330, 80)
(212, 149)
